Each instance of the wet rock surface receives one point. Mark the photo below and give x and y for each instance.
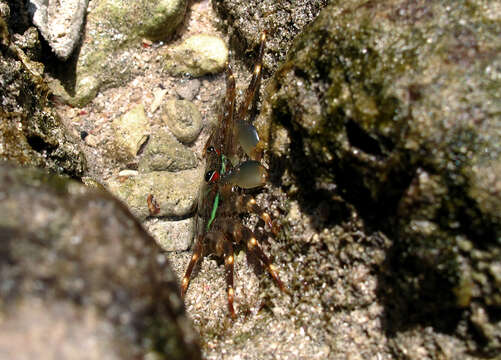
(282, 20)
(380, 110)
(72, 255)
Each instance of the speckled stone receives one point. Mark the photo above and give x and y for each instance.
(174, 235)
(60, 23)
(163, 152)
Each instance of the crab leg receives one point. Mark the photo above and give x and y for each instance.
(248, 203)
(254, 247)
(228, 268)
(197, 252)
(256, 75)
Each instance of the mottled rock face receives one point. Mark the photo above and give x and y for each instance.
(72, 255)
(282, 19)
(399, 109)
(112, 28)
(30, 131)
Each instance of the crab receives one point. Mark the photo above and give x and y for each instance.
(222, 196)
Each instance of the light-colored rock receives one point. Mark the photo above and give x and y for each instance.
(60, 23)
(131, 129)
(198, 55)
(112, 28)
(175, 193)
(171, 235)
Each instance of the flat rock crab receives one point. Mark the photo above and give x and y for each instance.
(222, 198)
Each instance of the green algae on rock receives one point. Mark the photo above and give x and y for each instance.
(197, 55)
(112, 27)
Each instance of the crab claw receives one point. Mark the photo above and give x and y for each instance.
(247, 137)
(247, 175)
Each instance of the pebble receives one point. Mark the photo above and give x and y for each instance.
(198, 55)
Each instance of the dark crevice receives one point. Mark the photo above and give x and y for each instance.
(360, 139)
(38, 144)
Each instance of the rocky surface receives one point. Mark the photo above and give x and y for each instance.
(112, 29)
(380, 110)
(380, 135)
(81, 278)
(282, 19)
(31, 133)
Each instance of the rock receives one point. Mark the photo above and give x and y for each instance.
(163, 152)
(31, 133)
(175, 193)
(112, 27)
(197, 55)
(183, 119)
(60, 23)
(160, 18)
(378, 111)
(282, 19)
(172, 235)
(29, 43)
(188, 89)
(80, 278)
(131, 129)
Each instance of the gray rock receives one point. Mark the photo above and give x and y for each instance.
(188, 89)
(80, 278)
(175, 193)
(163, 152)
(283, 20)
(60, 23)
(183, 119)
(172, 235)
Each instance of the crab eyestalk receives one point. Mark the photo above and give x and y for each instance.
(247, 175)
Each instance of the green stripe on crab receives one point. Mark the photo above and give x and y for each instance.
(216, 199)
(214, 210)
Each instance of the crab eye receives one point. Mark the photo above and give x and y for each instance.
(211, 176)
(211, 149)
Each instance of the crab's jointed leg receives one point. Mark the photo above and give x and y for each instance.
(197, 253)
